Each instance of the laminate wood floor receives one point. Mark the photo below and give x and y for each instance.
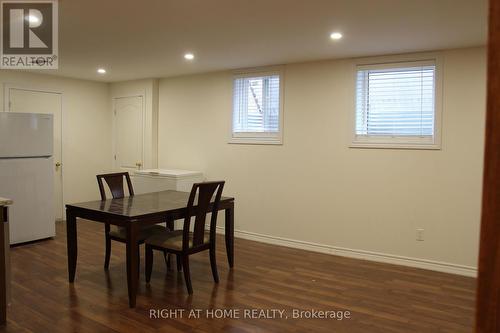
(380, 297)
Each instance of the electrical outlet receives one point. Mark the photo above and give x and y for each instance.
(420, 234)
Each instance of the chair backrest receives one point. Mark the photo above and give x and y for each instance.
(205, 193)
(115, 184)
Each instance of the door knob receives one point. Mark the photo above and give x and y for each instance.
(58, 164)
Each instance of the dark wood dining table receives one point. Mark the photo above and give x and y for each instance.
(132, 213)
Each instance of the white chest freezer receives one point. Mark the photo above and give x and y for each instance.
(155, 180)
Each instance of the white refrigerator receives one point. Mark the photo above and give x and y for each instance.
(27, 174)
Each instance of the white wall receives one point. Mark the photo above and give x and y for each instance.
(314, 188)
(86, 122)
(148, 89)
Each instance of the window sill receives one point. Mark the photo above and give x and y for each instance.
(255, 141)
(379, 145)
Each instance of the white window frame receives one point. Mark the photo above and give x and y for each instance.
(401, 142)
(258, 137)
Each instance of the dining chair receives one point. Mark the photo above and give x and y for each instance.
(183, 242)
(119, 234)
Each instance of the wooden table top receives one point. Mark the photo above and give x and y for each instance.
(5, 202)
(140, 204)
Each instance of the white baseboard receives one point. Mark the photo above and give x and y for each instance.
(358, 254)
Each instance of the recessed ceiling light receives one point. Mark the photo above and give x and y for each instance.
(101, 71)
(33, 19)
(336, 35)
(189, 56)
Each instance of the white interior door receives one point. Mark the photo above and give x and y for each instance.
(128, 138)
(33, 101)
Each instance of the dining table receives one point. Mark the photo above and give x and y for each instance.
(132, 213)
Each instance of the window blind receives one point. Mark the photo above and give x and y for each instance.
(395, 102)
(256, 104)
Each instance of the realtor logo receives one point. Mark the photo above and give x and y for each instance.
(29, 34)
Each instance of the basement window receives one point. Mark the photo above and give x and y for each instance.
(257, 108)
(396, 106)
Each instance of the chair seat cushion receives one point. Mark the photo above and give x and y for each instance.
(145, 232)
(173, 239)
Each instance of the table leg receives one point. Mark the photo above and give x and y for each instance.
(229, 234)
(132, 260)
(71, 243)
